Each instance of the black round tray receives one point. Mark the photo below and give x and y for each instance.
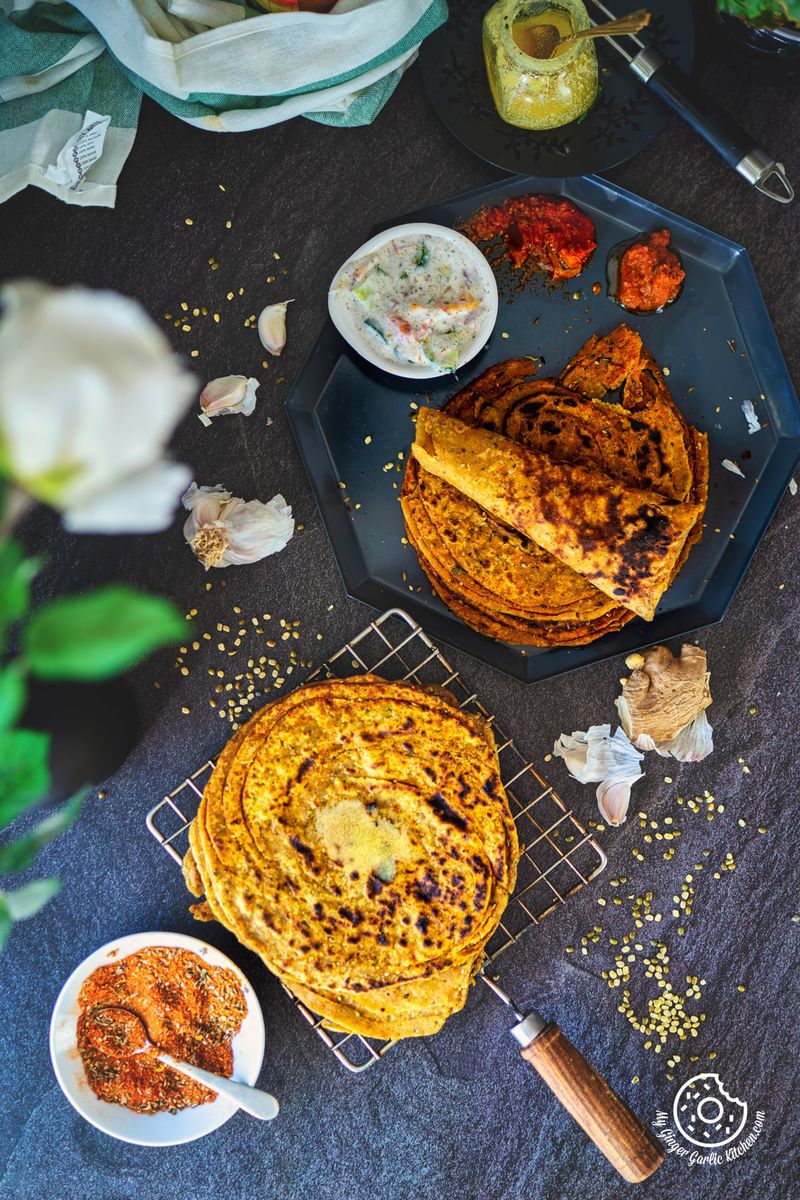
(624, 119)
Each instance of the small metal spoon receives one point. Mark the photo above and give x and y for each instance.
(543, 40)
(127, 1035)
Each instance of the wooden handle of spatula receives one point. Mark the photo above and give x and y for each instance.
(626, 1142)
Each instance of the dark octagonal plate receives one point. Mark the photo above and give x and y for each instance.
(625, 118)
(717, 343)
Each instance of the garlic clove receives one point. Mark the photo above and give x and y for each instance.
(645, 742)
(205, 503)
(272, 327)
(613, 798)
(203, 529)
(610, 762)
(227, 395)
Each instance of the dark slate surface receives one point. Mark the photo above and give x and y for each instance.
(459, 1115)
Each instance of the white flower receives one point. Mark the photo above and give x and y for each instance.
(611, 762)
(90, 392)
(224, 531)
(228, 395)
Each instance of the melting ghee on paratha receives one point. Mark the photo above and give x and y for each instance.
(359, 841)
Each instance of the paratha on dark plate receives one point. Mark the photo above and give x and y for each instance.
(624, 540)
(492, 577)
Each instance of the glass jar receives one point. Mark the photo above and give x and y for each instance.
(538, 93)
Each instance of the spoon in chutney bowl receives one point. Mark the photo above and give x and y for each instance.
(120, 1033)
(542, 41)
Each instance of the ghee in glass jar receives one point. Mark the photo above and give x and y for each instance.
(538, 93)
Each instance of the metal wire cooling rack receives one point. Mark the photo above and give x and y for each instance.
(558, 855)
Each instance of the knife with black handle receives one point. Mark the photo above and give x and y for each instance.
(722, 133)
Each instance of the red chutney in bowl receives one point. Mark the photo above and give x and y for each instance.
(650, 274)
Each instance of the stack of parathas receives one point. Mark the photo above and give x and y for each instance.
(356, 835)
(503, 583)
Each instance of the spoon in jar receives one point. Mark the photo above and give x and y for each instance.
(119, 1032)
(541, 41)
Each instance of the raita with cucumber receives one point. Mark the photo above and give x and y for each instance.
(418, 299)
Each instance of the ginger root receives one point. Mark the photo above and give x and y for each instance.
(664, 694)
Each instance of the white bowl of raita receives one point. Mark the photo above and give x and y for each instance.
(416, 300)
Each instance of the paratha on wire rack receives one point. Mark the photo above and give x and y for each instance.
(356, 835)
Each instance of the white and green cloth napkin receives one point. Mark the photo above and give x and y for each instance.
(72, 76)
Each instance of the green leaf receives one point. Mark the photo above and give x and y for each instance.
(12, 695)
(18, 855)
(6, 921)
(99, 634)
(24, 773)
(16, 573)
(27, 900)
(763, 12)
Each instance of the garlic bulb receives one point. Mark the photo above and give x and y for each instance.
(227, 395)
(226, 531)
(610, 762)
(272, 327)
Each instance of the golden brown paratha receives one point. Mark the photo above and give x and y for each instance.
(492, 577)
(625, 541)
(356, 835)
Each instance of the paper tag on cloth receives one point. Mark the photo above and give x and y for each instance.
(80, 152)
